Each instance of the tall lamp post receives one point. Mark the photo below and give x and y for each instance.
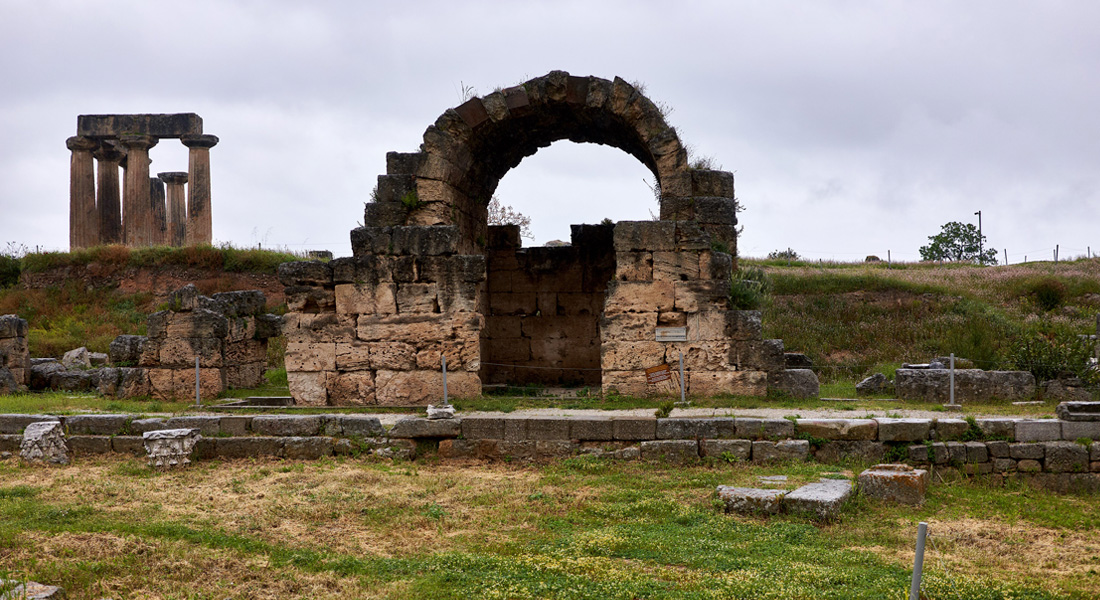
(980, 257)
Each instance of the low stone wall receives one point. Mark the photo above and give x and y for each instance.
(971, 385)
(1023, 447)
(14, 354)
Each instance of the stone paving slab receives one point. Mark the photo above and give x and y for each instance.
(823, 499)
(751, 500)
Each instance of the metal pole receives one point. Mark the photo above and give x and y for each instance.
(979, 213)
(445, 403)
(1006, 256)
(198, 398)
(918, 561)
(952, 378)
(682, 386)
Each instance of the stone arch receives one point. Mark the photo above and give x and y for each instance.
(469, 148)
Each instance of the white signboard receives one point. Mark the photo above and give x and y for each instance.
(672, 334)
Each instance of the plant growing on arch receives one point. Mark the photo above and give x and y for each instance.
(959, 242)
(502, 214)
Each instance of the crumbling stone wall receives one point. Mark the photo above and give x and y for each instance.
(971, 385)
(228, 332)
(14, 354)
(371, 329)
(428, 278)
(544, 307)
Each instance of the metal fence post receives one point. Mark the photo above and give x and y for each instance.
(445, 403)
(918, 561)
(952, 378)
(683, 384)
(198, 397)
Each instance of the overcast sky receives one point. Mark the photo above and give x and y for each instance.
(853, 128)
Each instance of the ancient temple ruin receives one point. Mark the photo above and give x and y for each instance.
(431, 279)
(145, 215)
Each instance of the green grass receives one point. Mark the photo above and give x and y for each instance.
(225, 257)
(577, 528)
(56, 403)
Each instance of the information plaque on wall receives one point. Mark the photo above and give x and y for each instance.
(672, 334)
(658, 374)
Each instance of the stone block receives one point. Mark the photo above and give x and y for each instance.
(16, 423)
(286, 425)
(727, 449)
(1065, 457)
(128, 444)
(639, 297)
(836, 452)
(839, 429)
(1078, 411)
(479, 428)
(1075, 430)
(634, 428)
(44, 441)
(761, 355)
(685, 429)
(734, 383)
(307, 448)
(895, 483)
(199, 323)
(1038, 431)
(208, 426)
(998, 428)
(823, 499)
(1029, 466)
(140, 426)
(929, 453)
(672, 451)
(976, 452)
(956, 453)
(414, 427)
(305, 273)
(641, 236)
(758, 429)
(125, 350)
(592, 429)
(360, 426)
(765, 452)
(423, 387)
(945, 429)
(751, 500)
(308, 389)
(248, 447)
(548, 428)
(89, 444)
(904, 430)
(633, 266)
(310, 356)
(700, 295)
(1024, 450)
(96, 424)
(12, 326)
(797, 383)
(234, 425)
(998, 449)
(1003, 465)
(675, 266)
(627, 356)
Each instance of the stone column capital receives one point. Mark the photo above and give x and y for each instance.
(173, 177)
(138, 142)
(199, 140)
(79, 143)
(107, 153)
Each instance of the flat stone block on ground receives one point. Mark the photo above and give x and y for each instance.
(751, 500)
(823, 499)
(895, 483)
(426, 428)
(673, 451)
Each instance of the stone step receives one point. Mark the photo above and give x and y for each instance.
(823, 499)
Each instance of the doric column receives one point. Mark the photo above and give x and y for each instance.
(199, 220)
(137, 219)
(177, 207)
(83, 223)
(159, 210)
(108, 204)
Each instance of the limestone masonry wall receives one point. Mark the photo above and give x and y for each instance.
(14, 354)
(544, 307)
(1056, 454)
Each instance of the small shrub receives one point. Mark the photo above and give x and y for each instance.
(664, 410)
(1050, 357)
(787, 254)
(9, 271)
(749, 289)
(410, 201)
(1049, 293)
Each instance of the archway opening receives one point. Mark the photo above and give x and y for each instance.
(544, 297)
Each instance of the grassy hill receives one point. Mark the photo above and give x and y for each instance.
(854, 319)
(89, 297)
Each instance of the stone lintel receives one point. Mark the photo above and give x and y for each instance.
(161, 126)
(199, 140)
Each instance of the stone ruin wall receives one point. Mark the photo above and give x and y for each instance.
(15, 363)
(544, 308)
(428, 277)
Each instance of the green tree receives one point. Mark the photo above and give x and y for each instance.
(958, 242)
